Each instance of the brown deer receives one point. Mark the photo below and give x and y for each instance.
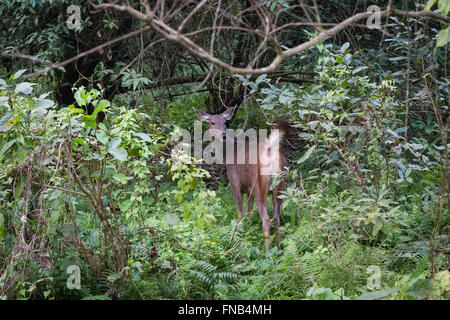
(253, 178)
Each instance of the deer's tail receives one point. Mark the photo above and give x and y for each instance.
(270, 157)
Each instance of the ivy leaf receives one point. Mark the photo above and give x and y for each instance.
(120, 177)
(124, 205)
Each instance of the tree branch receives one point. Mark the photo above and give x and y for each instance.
(169, 33)
(196, 50)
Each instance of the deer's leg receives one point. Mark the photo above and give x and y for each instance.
(238, 199)
(277, 209)
(276, 214)
(261, 202)
(236, 187)
(250, 200)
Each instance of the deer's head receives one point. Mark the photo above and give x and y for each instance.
(217, 121)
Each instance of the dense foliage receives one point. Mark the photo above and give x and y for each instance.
(365, 213)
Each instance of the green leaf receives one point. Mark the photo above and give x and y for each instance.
(79, 141)
(102, 136)
(120, 177)
(40, 107)
(24, 87)
(124, 205)
(102, 126)
(78, 98)
(6, 146)
(344, 47)
(378, 294)
(420, 288)
(89, 120)
(2, 224)
(429, 4)
(97, 156)
(114, 143)
(444, 6)
(306, 155)
(101, 105)
(443, 38)
(261, 78)
(18, 74)
(143, 136)
(119, 153)
(3, 100)
(98, 297)
(359, 69)
(116, 151)
(5, 120)
(45, 103)
(76, 110)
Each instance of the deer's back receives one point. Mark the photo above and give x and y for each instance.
(248, 174)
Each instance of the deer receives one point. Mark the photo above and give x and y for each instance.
(253, 178)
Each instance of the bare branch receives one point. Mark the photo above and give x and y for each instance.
(159, 26)
(196, 50)
(24, 56)
(86, 53)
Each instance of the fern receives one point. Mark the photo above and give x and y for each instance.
(206, 267)
(225, 276)
(97, 297)
(204, 278)
(311, 267)
(213, 280)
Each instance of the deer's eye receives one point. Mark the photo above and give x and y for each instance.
(212, 123)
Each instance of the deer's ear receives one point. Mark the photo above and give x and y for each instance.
(228, 114)
(202, 115)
